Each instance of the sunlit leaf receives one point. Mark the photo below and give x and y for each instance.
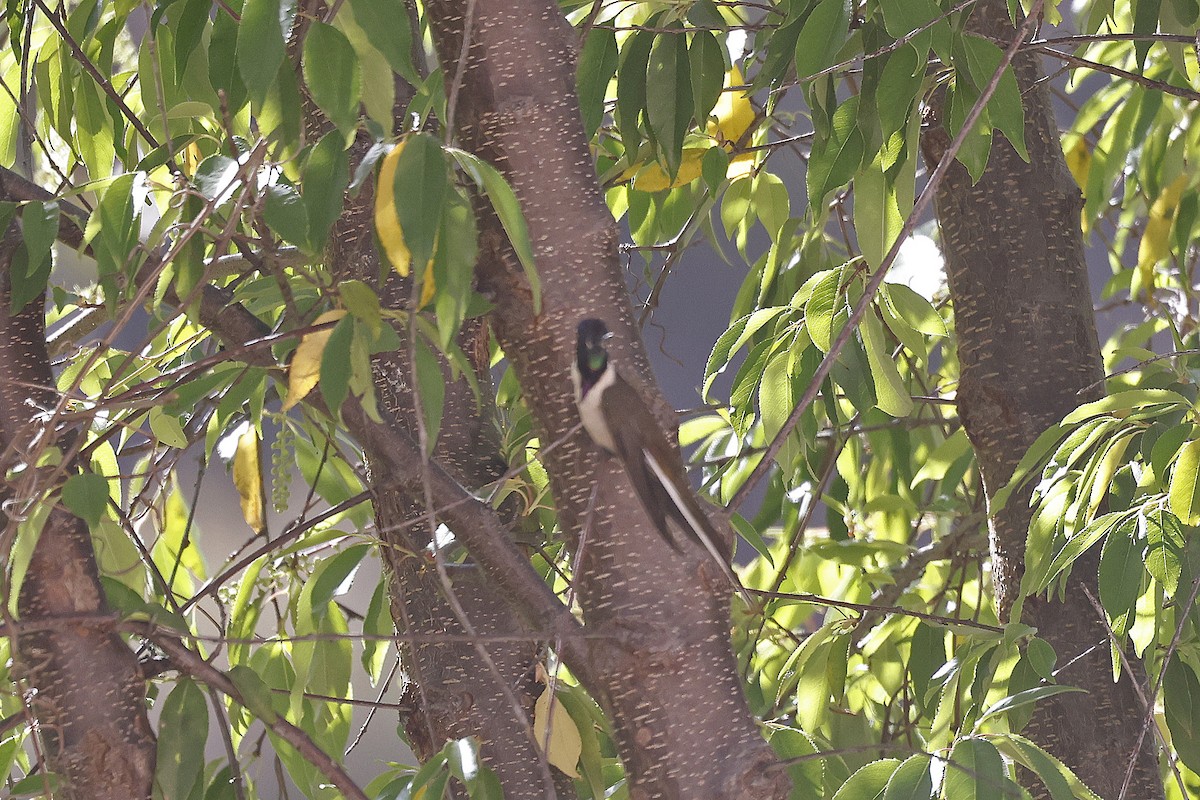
(1184, 493)
(247, 479)
(182, 733)
(669, 106)
(331, 73)
(552, 720)
(304, 371)
(86, 496)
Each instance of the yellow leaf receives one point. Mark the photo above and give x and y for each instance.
(247, 477)
(387, 221)
(653, 178)
(740, 166)
(1079, 161)
(387, 225)
(305, 370)
(733, 112)
(191, 159)
(1156, 244)
(565, 744)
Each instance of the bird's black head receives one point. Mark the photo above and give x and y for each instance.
(590, 355)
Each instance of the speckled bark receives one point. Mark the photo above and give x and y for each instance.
(90, 695)
(451, 692)
(667, 676)
(1028, 350)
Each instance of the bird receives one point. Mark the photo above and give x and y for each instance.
(618, 420)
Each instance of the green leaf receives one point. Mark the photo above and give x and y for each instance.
(1041, 657)
(822, 36)
(504, 203)
(420, 187)
(914, 309)
(326, 174)
(224, 71)
(377, 628)
(1145, 24)
(431, 385)
(182, 733)
(1027, 697)
(597, 65)
(387, 27)
(1004, 107)
(1184, 491)
(902, 17)
(1054, 775)
(911, 780)
(976, 772)
(39, 228)
(1030, 462)
(192, 18)
(1075, 546)
(631, 90)
(260, 43)
(462, 758)
(938, 462)
(336, 364)
(792, 745)
(257, 697)
(771, 202)
(285, 214)
(891, 395)
(1120, 571)
(669, 105)
(836, 158)
(977, 145)
(167, 428)
(734, 339)
(899, 82)
(748, 532)
(877, 218)
(707, 57)
(715, 167)
(332, 577)
(819, 311)
(1181, 703)
(37, 784)
(1164, 548)
(86, 496)
(1166, 447)
(869, 782)
(332, 74)
(216, 177)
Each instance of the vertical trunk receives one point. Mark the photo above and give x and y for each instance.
(90, 696)
(1029, 353)
(452, 691)
(667, 675)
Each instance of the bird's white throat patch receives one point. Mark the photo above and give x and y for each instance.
(591, 414)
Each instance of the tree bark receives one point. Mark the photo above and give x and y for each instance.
(452, 691)
(89, 703)
(667, 675)
(1028, 354)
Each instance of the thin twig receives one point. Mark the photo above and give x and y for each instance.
(460, 68)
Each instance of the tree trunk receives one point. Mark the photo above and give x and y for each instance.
(89, 703)
(452, 691)
(666, 675)
(1028, 351)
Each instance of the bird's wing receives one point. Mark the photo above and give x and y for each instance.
(623, 410)
(687, 511)
(660, 485)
